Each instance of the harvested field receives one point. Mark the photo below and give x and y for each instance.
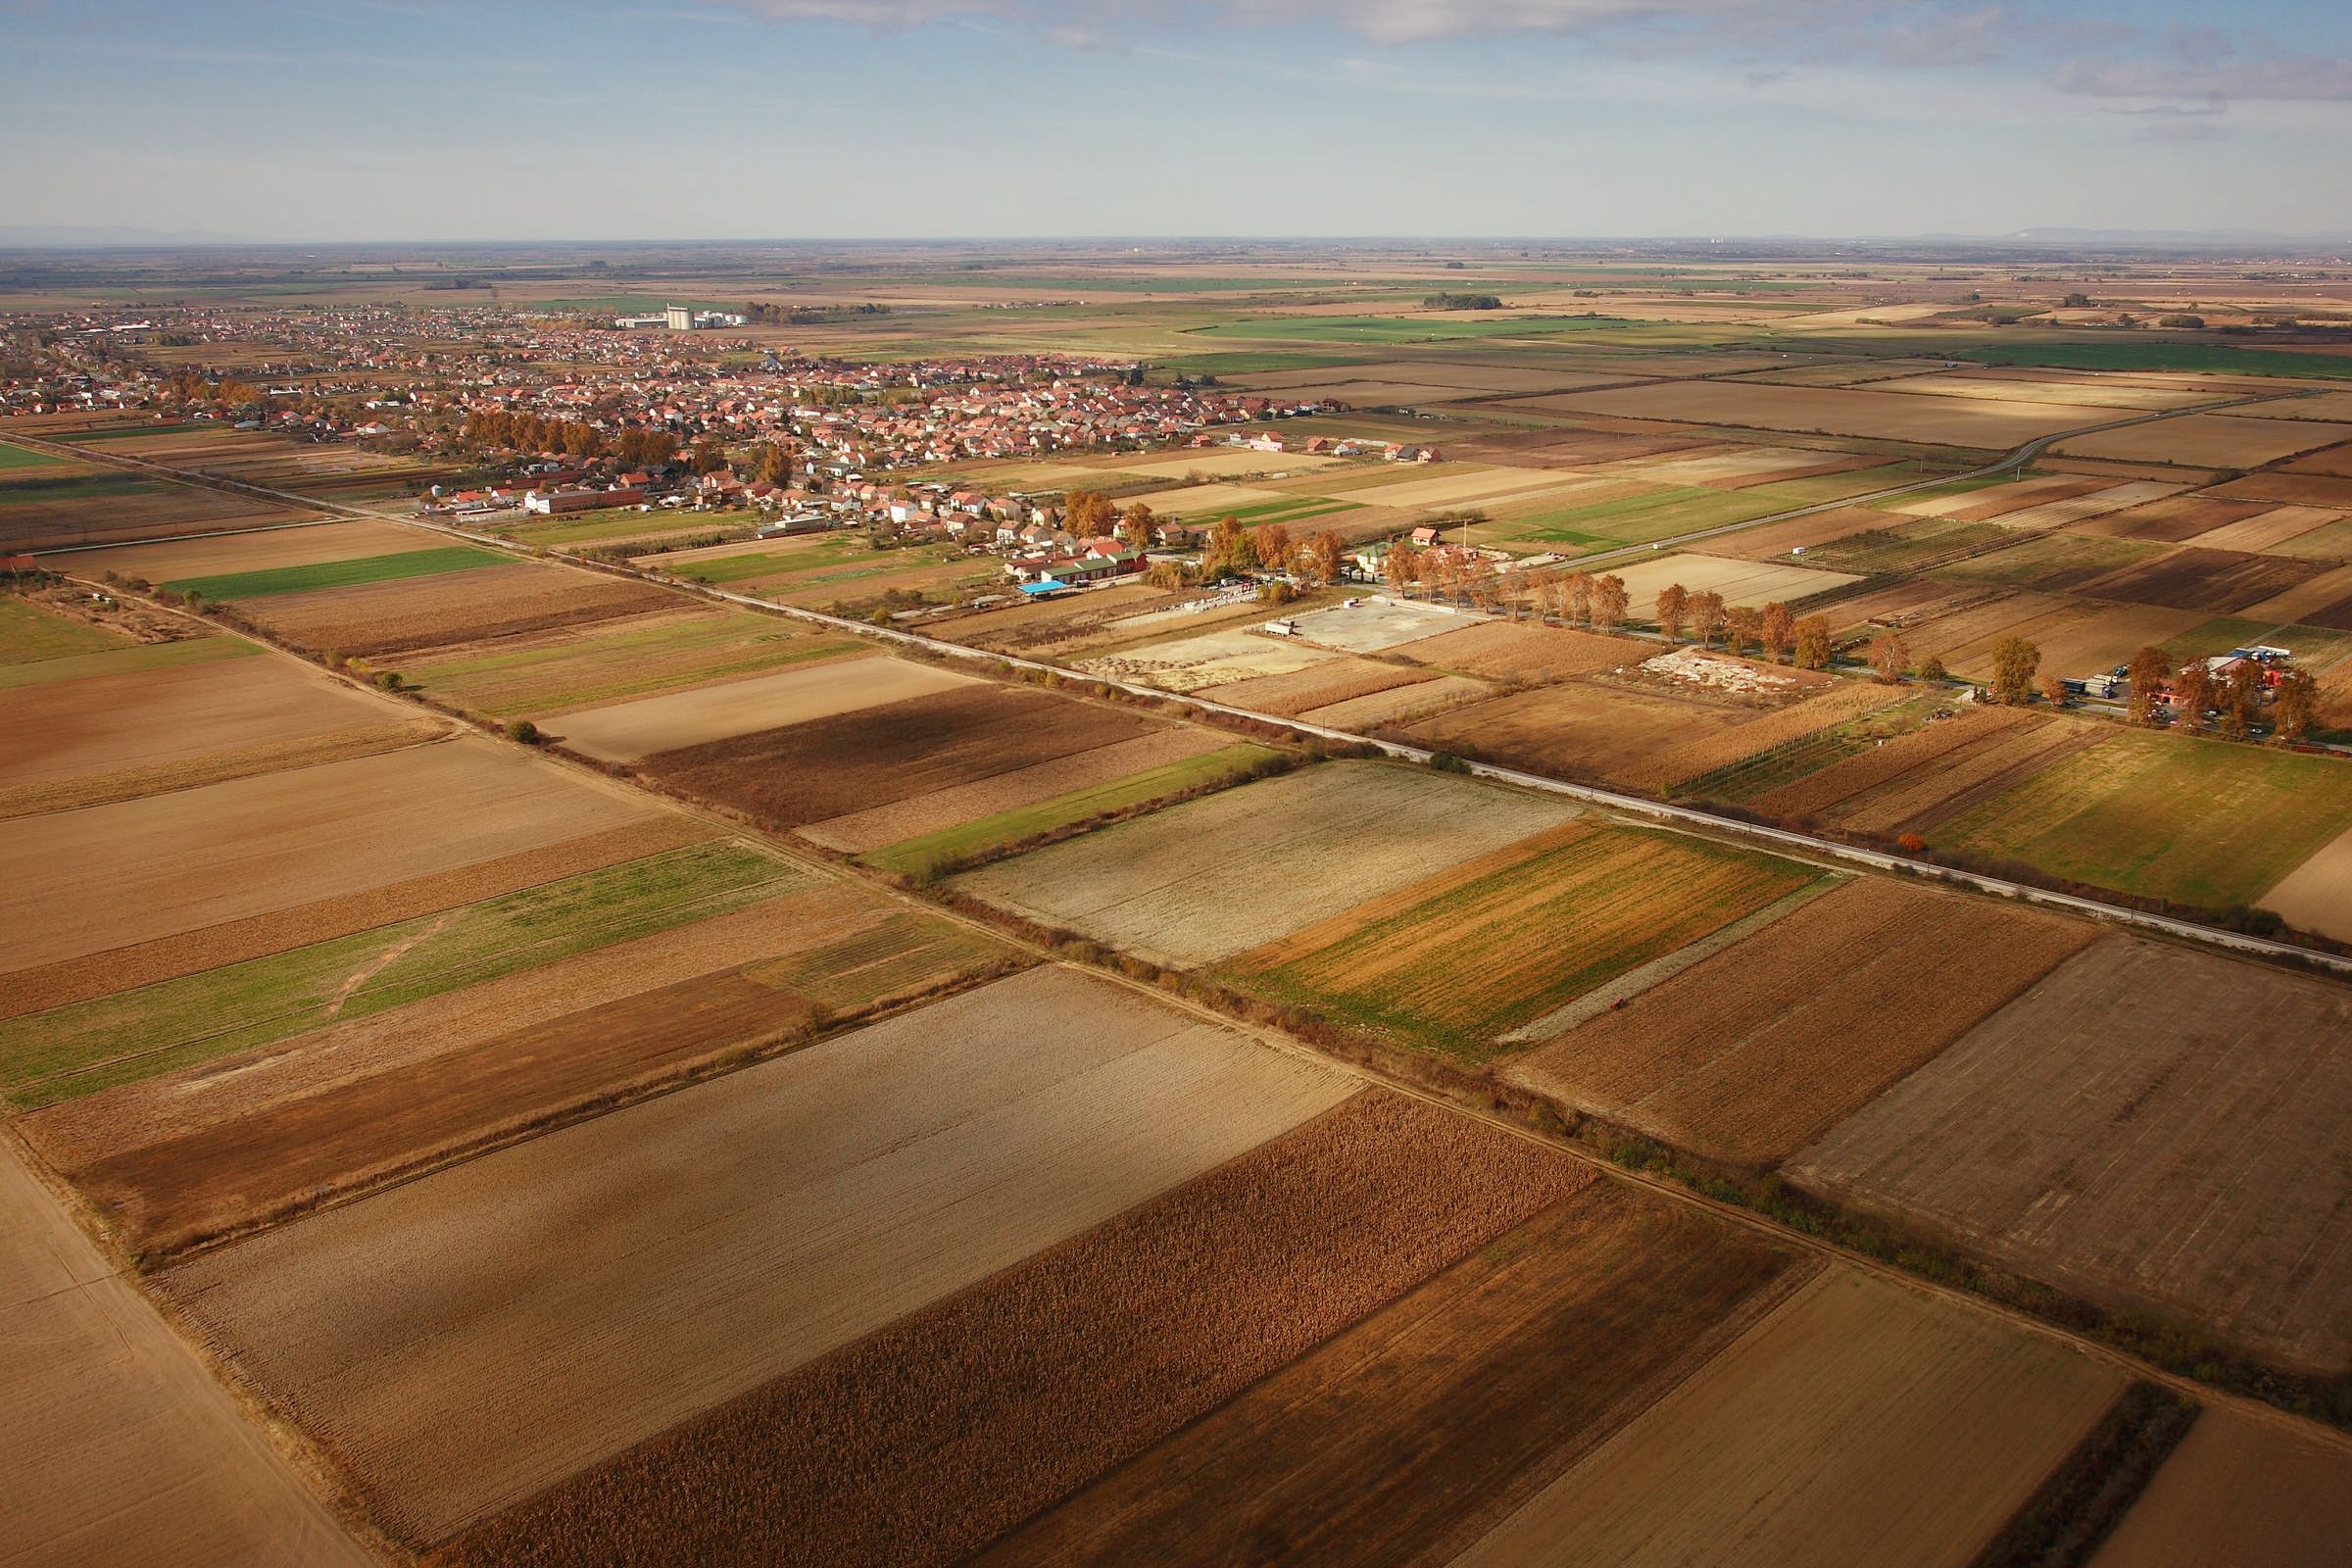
(2108, 637)
(1202, 501)
(2213, 440)
(61, 984)
(626, 731)
(543, 675)
(2217, 582)
(930, 1439)
(1733, 468)
(2336, 461)
(255, 1137)
(81, 507)
(1456, 960)
(1209, 659)
(2148, 1126)
(109, 876)
(1451, 489)
(1859, 1415)
(2324, 600)
(2241, 1489)
(2171, 521)
(2069, 510)
(70, 791)
(121, 1448)
(1575, 729)
(878, 756)
(1221, 461)
(1964, 635)
(1376, 625)
(1834, 790)
(2317, 896)
(171, 717)
(381, 619)
(68, 1052)
(1191, 885)
(917, 816)
(1399, 704)
(1522, 653)
(172, 561)
(1832, 410)
(838, 1189)
(1999, 494)
(2103, 393)
(2267, 529)
(1768, 540)
(2290, 489)
(1755, 1051)
(1335, 680)
(1408, 1437)
(2204, 821)
(1740, 582)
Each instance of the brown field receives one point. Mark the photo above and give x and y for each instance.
(836, 1190)
(1738, 466)
(70, 980)
(1685, 760)
(2103, 393)
(926, 1440)
(2170, 521)
(81, 882)
(1524, 653)
(180, 559)
(2324, 600)
(1199, 660)
(1455, 489)
(623, 732)
(1859, 1415)
(1774, 539)
(1826, 791)
(1027, 627)
(871, 828)
(2103, 639)
(2267, 529)
(2068, 511)
(2215, 440)
(376, 620)
(68, 793)
(1399, 704)
(1964, 637)
(1761, 1048)
(2006, 496)
(1188, 885)
(1335, 680)
(2218, 581)
(1740, 582)
(853, 761)
(2291, 489)
(251, 1137)
(155, 510)
(2148, 1125)
(163, 718)
(118, 1446)
(2242, 1488)
(2336, 461)
(2313, 406)
(2317, 896)
(1935, 789)
(1832, 410)
(1405, 1439)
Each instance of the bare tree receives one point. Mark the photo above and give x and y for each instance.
(1889, 655)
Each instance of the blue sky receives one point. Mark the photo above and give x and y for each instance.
(323, 120)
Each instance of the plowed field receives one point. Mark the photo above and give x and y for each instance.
(2240, 1490)
(1516, 651)
(378, 620)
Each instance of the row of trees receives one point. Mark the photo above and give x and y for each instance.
(1269, 548)
(531, 432)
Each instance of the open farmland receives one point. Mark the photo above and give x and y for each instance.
(103, 877)
(47, 510)
(1195, 663)
(237, 587)
(1520, 652)
(1919, 779)
(1408, 1437)
(1318, 685)
(1833, 410)
(2240, 1490)
(1458, 960)
(1755, 1051)
(1858, 1415)
(269, 550)
(869, 757)
(2216, 582)
(2203, 821)
(1189, 885)
(120, 1447)
(2215, 440)
(841, 1187)
(926, 1440)
(1374, 624)
(1397, 705)
(624, 731)
(1740, 582)
(2317, 895)
(2146, 1125)
(375, 619)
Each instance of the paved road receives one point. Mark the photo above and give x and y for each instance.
(1682, 817)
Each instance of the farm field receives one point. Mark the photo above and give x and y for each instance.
(2148, 1125)
(2217, 582)
(1740, 582)
(1159, 1314)
(2317, 895)
(1833, 410)
(1857, 1416)
(2165, 815)
(2239, 1489)
(1517, 650)
(237, 587)
(1188, 885)
(1456, 960)
(1397, 705)
(1760, 1047)
(1319, 685)
(1376, 625)
(1209, 659)
(44, 509)
(269, 550)
(880, 755)
(1408, 1437)
(626, 731)
(1920, 776)
(850, 1184)
(119, 1445)
(2221, 440)
(379, 619)
(102, 877)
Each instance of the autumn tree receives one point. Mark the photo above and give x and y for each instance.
(1514, 589)
(1776, 629)
(1932, 670)
(2241, 699)
(1578, 595)
(2296, 705)
(1610, 601)
(1226, 546)
(1481, 582)
(1324, 555)
(1811, 638)
(773, 466)
(2014, 661)
(1672, 609)
(2192, 692)
(1401, 567)
(1740, 625)
(1707, 615)
(1135, 527)
(1889, 655)
(1087, 513)
(2149, 670)
(1273, 543)
(2053, 691)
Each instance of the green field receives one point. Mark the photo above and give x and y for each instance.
(625, 523)
(1903, 547)
(1957, 487)
(1400, 328)
(1638, 520)
(2202, 821)
(2058, 559)
(237, 586)
(952, 846)
(121, 658)
(2164, 356)
(15, 457)
(69, 1051)
(1290, 511)
(721, 569)
(607, 662)
(68, 489)
(29, 634)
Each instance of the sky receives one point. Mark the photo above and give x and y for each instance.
(527, 119)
